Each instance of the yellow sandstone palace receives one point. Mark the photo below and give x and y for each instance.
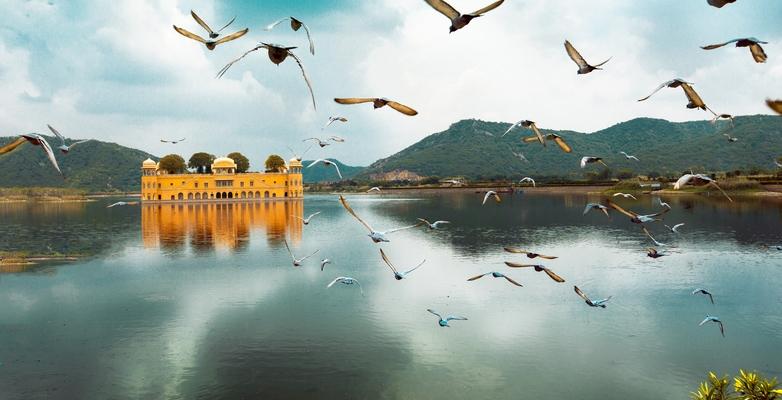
(222, 184)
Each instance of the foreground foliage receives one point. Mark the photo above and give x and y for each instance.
(746, 386)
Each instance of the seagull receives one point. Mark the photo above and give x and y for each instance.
(491, 193)
(36, 140)
(551, 136)
(531, 126)
(538, 268)
(378, 102)
(335, 138)
(496, 275)
(297, 261)
(321, 143)
(583, 66)
(296, 156)
(456, 182)
(210, 43)
(323, 263)
(653, 253)
(698, 180)
(376, 236)
(520, 156)
(527, 179)
(731, 139)
(625, 195)
(775, 162)
(172, 141)
(346, 280)
(753, 43)
(63, 148)
(596, 206)
(398, 275)
(373, 188)
(695, 100)
(636, 218)
(328, 164)
(444, 321)
(433, 225)
(333, 119)
(775, 105)
(629, 157)
(122, 203)
(723, 116)
(719, 3)
(277, 54)
(675, 228)
(646, 231)
(295, 25)
(590, 160)
(306, 221)
(598, 303)
(662, 203)
(528, 253)
(704, 291)
(459, 20)
(710, 318)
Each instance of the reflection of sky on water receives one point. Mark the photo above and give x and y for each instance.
(141, 320)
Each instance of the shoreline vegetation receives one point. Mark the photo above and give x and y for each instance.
(20, 261)
(43, 194)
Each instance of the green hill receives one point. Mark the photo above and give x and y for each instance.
(476, 150)
(320, 173)
(93, 166)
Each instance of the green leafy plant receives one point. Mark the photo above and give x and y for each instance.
(746, 386)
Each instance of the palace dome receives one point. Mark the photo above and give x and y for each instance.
(294, 162)
(223, 162)
(149, 163)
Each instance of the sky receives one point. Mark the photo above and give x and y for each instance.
(122, 74)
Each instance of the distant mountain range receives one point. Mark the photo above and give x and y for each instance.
(321, 173)
(476, 149)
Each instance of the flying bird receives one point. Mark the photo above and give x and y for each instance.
(495, 275)
(328, 164)
(212, 42)
(716, 320)
(277, 54)
(520, 156)
(753, 43)
(775, 162)
(459, 20)
(36, 140)
(596, 206)
(629, 157)
(295, 25)
(775, 105)
(346, 280)
(583, 66)
(321, 143)
(529, 254)
(704, 291)
(698, 180)
(625, 195)
(551, 136)
(591, 303)
(398, 275)
(489, 194)
(731, 139)
(297, 261)
(723, 116)
(376, 236)
(538, 268)
(531, 126)
(694, 99)
(646, 231)
(527, 179)
(307, 220)
(378, 102)
(333, 119)
(444, 321)
(373, 189)
(719, 3)
(651, 252)
(323, 263)
(590, 160)
(65, 148)
(675, 228)
(662, 203)
(433, 225)
(335, 138)
(172, 141)
(122, 203)
(635, 217)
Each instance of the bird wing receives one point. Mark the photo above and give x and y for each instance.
(415, 268)
(434, 312)
(337, 168)
(517, 265)
(275, 23)
(486, 9)
(584, 161)
(562, 145)
(581, 294)
(201, 22)
(440, 222)
(575, 55)
(646, 231)
(757, 53)
(511, 127)
(296, 216)
(228, 24)
(423, 220)
(353, 100)
(402, 108)
(710, 297)
(547, 257)
(50, 154)
(588, 207)
(677, 226)
(682, 181)
(512, 281)
(353, 213)
(705, 320)
(538, 134)
(13, 145)
(486, 197)
(515, 250)
(79, 142)
(309, 38)
(454, 317)
(187, 34)
(693, 96)
(476, 277)
(313, 214)
(386, 260)
(114, 204)
(307, 80)
(316, 252)
(337, 279)
(775, 105)
(622, 210)
(56, 133)
(722, 328)
(235, 35)
(444, 8)
(289, 250)
(712, 183)
(225, 68)
(717, 46)
(402, 228)
(664, 84)
(553, 276)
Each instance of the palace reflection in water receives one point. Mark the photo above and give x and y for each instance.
(208, 226)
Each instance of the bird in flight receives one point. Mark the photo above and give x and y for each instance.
(583, 66)
(592, 303)
(704, 291)
(212, 42)
(277, 54)
(731, 139)
(590, 160)
(675, 228)
(332, 119)
(775, 105)
(398, 275)
(646, 231)
(373, 189)
(698, 180)
(337, 139)
(527, 179)
(433, 225)
(36, 140)
(551, 136)
(531, 126)
(723, 116)
(662, 203)
(625, 195)
(753, 43)
(694, 100)
(122, 203)
(378, 102)
(489, 194)
(719, 3)
(778, 164)
(297, 261)
(629, 157)
(307, 220)
(376, 236)
(444, 321)
(323, 263)
(65, 148)
(716, 320)
(520, 156)
(172, 141)
(295, 25)
(495, 275)
(321, 143)
(529, 254)
(651, 252)
(346, 280)
(459, 20)
(596, 206)
(538, 268)
(637, 218)
(328, 164)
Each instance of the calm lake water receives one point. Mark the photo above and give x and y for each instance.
(201, 301)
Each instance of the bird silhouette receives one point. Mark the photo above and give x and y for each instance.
(459, 20)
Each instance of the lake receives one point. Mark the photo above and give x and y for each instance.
(188, 301)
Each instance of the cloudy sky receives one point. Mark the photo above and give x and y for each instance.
(122, 74)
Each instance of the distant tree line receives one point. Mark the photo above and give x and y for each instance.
(201, 163)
